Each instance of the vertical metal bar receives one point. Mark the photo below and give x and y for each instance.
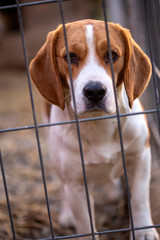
(77, 124)
(157, 7)
(118, 121)
(157, 97)
(34, 118)
(7, 197)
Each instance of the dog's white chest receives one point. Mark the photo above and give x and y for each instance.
(100, 149)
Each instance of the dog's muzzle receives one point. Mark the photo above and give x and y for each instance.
(94, 94)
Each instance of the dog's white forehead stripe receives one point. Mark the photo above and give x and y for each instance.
(92, 70)
(90, 42)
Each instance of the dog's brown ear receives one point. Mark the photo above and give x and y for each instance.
(45, 74)
(137, 68)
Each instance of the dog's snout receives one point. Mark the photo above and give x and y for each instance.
(94, 91)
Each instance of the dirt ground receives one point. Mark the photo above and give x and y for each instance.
(19, 148)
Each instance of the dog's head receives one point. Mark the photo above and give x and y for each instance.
(91, 72)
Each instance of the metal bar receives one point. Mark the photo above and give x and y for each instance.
(74, 121)
(30, 4)
(157, 97)
(118, 122)
(34, 117)
(7, 197)
(77, 124)
(104, 232)
(157, 6)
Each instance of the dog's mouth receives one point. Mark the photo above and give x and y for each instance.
(91, 106)
(101, 107)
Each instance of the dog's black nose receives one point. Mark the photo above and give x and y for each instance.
(94, 91)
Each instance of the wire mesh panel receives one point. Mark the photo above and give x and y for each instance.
(37, 127)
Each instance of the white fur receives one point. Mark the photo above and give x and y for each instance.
(102, 152)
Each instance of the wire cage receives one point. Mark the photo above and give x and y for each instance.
(151, 19)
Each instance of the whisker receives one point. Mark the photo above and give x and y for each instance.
(66, 97)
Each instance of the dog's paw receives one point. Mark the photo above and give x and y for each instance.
(147, 234)
(66, 219)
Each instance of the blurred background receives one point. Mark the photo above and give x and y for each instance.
(19, 148)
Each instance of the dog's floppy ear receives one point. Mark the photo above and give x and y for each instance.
(137, 68)
(44, 71)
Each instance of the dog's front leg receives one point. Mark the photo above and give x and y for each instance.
(140, 188)
(77, 201)
(66, 217)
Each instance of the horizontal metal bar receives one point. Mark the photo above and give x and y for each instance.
(80, 120)
(30, 4)
(104, 232)
(128, 229)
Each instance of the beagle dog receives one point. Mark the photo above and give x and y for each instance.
(94, 97)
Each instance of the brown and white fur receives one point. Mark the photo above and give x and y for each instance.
(94, 97)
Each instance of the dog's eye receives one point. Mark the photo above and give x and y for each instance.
(73, 58)
(114, 57)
